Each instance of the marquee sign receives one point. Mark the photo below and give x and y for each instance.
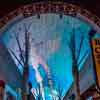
(96, 53)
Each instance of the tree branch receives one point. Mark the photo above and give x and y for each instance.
(79, 50)
(19, 46)
(15, 56)
(86, 53)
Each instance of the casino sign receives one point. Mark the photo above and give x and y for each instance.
(96, 56)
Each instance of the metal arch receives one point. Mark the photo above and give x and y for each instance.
(50, 7)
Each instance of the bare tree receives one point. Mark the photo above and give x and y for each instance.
(75, 57)
(76, 62)
(23, 58)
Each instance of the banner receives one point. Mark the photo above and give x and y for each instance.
(96, 54)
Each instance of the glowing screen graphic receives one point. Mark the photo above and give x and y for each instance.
(50, 50)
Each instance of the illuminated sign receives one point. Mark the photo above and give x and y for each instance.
(96, 53)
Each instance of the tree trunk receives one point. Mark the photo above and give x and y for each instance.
(76, 80)
(24, 83)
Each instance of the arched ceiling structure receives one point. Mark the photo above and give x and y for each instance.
(6, 6)
(50, 25)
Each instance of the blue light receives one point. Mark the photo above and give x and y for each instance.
(55, 51)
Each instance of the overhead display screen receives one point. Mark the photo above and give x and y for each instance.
(49, 51)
